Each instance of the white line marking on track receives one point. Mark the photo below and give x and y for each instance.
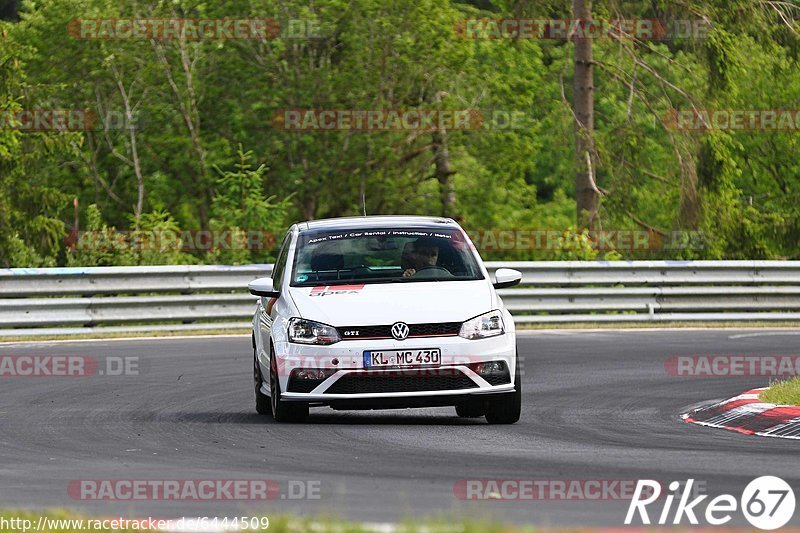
(531, 332)
(764, 334)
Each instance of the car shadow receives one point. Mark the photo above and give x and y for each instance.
(332, 418)
(384, 418)
(214, 417)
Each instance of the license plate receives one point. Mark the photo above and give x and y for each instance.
(392, 358)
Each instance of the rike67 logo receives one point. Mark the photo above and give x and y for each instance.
(767, 502)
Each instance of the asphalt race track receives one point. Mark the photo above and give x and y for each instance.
(596, 406)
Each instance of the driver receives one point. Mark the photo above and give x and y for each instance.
(424, 252)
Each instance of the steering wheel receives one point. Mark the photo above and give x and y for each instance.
(432, 267)
(429, 272)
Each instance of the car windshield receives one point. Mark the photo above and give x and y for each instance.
(383, 256)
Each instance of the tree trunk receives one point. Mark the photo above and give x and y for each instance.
(689, 210)
(134, 162)
(188, 105)
(443, 170)
(444, 173)
(586, 192)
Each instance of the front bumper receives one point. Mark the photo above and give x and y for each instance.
(453, 381)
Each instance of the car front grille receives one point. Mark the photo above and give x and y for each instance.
(441, 329)
(373, 382)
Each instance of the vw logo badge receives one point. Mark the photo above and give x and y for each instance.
(399, 330)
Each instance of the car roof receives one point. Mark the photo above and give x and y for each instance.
(378, 221)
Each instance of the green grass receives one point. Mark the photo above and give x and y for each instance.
(277, 524)
(783, 393)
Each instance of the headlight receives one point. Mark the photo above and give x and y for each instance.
(304, 331)
(480, 327)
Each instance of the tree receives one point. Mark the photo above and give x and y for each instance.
(31, 227)
(586, 191)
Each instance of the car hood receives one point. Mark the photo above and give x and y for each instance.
(387, 303)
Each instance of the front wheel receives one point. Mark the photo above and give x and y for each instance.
(507, 408)
(282, 411)
(262, 400)
(470, 409)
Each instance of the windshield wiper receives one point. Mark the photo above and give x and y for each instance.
(418, 280)
(335, 282)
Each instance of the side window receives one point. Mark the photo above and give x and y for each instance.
(280, 263)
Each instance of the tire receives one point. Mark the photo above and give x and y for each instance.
(282, 411)
(507, 408)
(470, 410)
(262, 400)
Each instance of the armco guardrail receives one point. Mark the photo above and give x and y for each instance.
(67, 300)
(27, 282)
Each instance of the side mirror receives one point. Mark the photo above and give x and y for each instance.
(263, 287)
(506, 277)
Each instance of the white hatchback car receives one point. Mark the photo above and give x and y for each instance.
(384, 312)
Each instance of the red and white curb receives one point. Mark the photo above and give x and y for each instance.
(749, 415)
